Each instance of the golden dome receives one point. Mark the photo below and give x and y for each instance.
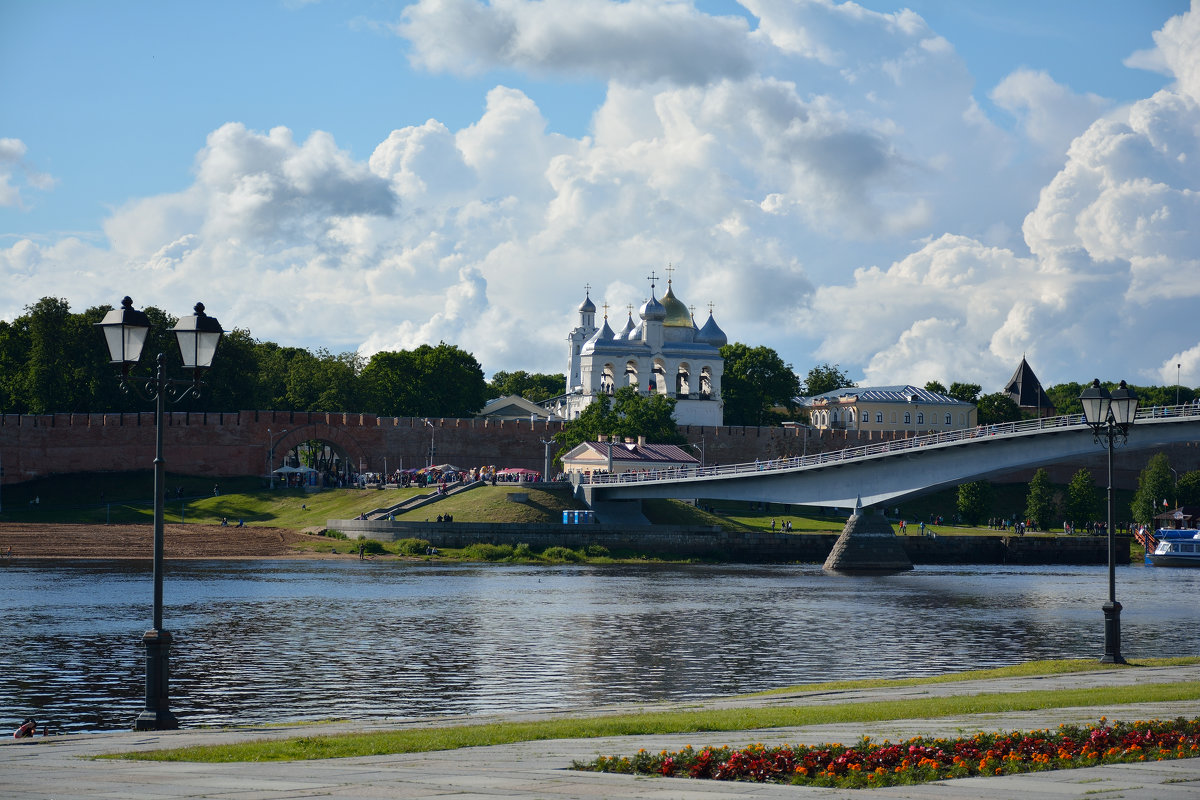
(678, 315)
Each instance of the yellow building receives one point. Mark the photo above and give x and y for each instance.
(889, 408)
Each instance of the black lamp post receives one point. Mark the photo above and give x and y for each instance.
(1109, 416)
(125, 331)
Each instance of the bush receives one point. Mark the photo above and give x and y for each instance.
(596, 550)
(481, 551)
(522, 551)
(412, 547)
(561, 554)
(332, 534)
(371, 546)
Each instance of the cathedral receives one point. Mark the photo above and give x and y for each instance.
(663, 352)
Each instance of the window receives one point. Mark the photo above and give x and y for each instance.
(948, 418)
(921, 418)
(907, 418)
(879, 416)
(866, 416)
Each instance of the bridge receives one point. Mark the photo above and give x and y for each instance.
(886, 472)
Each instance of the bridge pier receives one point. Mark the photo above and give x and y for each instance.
(867, 545)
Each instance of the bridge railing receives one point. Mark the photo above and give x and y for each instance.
(1002, 429)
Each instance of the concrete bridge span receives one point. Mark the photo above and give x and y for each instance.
(883, 473)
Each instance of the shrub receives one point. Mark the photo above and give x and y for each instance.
(596, 550)
(482, 551)
(332, 534)
(522, 551)
(371, 546)
(412, 547)
(561, 554)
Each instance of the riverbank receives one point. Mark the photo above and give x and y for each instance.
(64, 765)
(63, 541)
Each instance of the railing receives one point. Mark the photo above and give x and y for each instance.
(1003, 429)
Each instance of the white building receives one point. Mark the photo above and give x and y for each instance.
(662, 353)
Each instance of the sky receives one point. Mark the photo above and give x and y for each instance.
(913, 191)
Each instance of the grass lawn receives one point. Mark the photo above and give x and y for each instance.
(748, 717)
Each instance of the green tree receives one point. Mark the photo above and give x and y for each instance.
(825, 378)
(996, 408)
(1083, 500)
(533, 386)
(1065, 397)
(442, 381)
(1188, 489)
(936, 387)
(756, 380)
(975, 501)
(966, 392)
(1040, 506)
(1155, 484)
(627, 414)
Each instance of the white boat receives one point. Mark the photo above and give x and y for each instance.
(1175, 548)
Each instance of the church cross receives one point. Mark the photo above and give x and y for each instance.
(669, 270)
(605, 307)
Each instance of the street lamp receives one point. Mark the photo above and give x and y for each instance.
(125, 332)
(432, 449)
(271, 453)
(1109, 416)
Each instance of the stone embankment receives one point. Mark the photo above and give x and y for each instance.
(751, 547)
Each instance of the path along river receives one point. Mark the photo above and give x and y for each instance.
(266, 641)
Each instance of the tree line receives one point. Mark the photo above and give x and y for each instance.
(54, 360)
(1160, 488)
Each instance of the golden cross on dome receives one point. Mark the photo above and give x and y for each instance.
(669, 270)
(605, 307)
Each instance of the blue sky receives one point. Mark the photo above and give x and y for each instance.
(457, 170)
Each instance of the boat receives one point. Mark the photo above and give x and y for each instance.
(1175, 548)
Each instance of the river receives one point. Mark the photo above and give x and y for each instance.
(271, 641)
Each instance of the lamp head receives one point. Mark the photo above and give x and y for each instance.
(198, 336)
(125, 330)
(1096, 403)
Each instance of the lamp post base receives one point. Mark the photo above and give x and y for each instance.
(157, 716)
(1112, 634)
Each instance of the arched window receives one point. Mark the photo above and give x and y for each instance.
(948, 418)
(921, 418)
(908, 418)
(879, 417)
(866, 416)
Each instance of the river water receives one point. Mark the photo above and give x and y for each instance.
(270, 641)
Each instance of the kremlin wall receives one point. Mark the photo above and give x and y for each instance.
(238, 444)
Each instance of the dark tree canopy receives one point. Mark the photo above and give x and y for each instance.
(997, 407)
(533, 386)
(627, 413)
(825, 378)
(1155, 484)
(975, 501)
(1040, 503)
(756, 381)
(440, 381)
(1083, 501)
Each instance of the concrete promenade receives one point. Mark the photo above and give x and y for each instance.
(60, 767)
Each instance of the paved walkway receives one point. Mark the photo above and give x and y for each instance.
(60, 767)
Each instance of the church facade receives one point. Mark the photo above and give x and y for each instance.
(662, 352)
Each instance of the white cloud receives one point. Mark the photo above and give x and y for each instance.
(1050, 113)
(15, 168)
(634, 42)
(827, 138)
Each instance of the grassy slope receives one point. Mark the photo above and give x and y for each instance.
(675, 721)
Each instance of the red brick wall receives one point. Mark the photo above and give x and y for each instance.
(234, 444)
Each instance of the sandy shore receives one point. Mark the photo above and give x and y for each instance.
(32, 540)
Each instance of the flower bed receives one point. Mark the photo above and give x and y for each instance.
(920, 759)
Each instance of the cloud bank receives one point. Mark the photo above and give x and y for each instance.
(824, 176)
